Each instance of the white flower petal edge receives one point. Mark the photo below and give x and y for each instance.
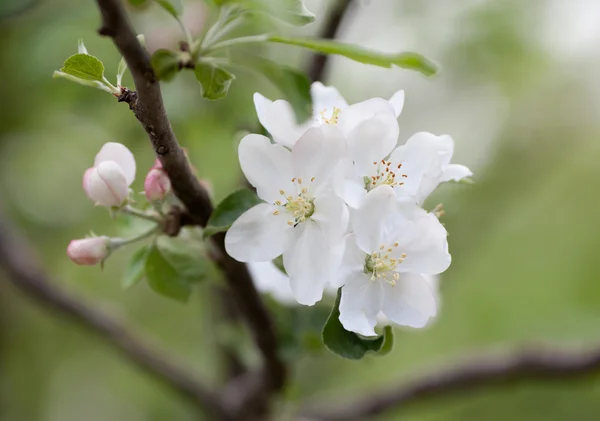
(326, 98)
(259, 235)
(411, 302)
(360, 303)
(121, 155)
(397, 101)
(278, 118)
(269, 279)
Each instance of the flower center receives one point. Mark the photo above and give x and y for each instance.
(333, 119)
(300, 206)
(381, 265)
(385, 174)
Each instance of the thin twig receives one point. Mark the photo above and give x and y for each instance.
(478, 372)
(148, 107)
(21, 266)
(319, 62)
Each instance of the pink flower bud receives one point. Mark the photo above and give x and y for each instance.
(157, 185)
(106, 184)
(89, 251)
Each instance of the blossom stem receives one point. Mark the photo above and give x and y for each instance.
(116, 243)
(140, 214)
(236, 41)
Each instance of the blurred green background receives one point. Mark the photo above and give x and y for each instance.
(519, 93)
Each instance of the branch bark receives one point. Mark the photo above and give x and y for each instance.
(148, 107)
(20, 263)
(479, 372)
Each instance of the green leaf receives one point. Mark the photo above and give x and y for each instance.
(230, 209)
(174, 7)
(134, 271)
(388, 342)
(278, 262)
(188, 258)
(215, 80)
(293, 12)
(84, 66)
(293, 84)
(407, 60)
(165, 64)
(349, 344)
(163, 277)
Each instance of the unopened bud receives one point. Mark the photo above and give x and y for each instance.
(106, 184)
(89, 251)
(157, 185)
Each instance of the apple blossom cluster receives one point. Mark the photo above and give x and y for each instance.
(343, 207)
(107, 184)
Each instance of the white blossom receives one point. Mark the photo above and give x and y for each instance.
(302, 219)
(394, 244)
(107, 182)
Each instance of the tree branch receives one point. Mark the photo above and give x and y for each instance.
(483, 371)
(147, 104)
(20, 263)
(318, 63)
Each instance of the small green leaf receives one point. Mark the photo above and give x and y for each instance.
(348, 344)
(293, 12)
(293, 84)
(84, 66)
(278, 262)
(174, 7)
(407, 60)
(165, 64)
(134, 271)
(230, 209)
(164, 279)
(188, 258)
(215, 80)
(388, 342)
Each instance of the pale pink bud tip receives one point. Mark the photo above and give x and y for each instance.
(106, 184)
(89, 251)
(157, 185)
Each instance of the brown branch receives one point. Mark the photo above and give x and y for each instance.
(318, 63)
(484, 371)
(22, 267)
(147, 104)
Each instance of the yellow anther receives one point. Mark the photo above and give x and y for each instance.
(276, 212)
(396, 244)
(281, 192)
(290, 223)
(299, 181)
(312, 179)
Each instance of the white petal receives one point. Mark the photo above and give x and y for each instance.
(359, 112)
(310, 262)
(317, 153)
(455, 172)
(353, 192)
(410, 302)
(326, 98)
(427, 250)
(397, 101)
(106, 184)
(118, 153)
(266, 166)
(268, 278)
(278, 119)
(258, 235)
(371, 217)
(331, 214)
(353, 262)
(371, 141)
(361, 300)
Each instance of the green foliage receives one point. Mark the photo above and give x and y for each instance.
(215, 80)
(407, 60)
(165, 64)
(174, 7)
(135, 269)
(84, 66)
(172, 266)
(348, 344)
(230, 209)
(278, 262)
(293, 84)
(293, 12)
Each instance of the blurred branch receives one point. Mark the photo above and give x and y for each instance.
(479, 372)
(20, 263)
(148, 107)
(318, 63)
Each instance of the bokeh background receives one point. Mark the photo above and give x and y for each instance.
(520, 94)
